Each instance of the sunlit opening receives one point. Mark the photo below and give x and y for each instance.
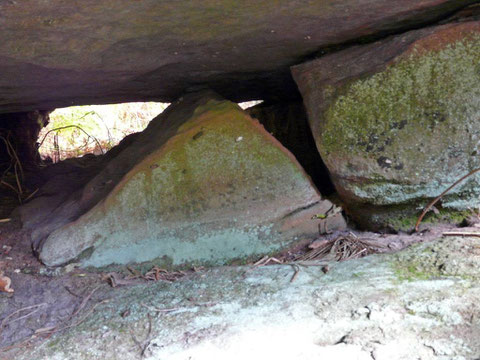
(93, 129)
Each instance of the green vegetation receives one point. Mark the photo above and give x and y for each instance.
(447, 216)
(79, 130)
(430, 261)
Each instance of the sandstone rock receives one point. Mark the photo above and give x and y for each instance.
(387, 307)
(59, 53)
(288, 123)
(397, 121)
(204, 184)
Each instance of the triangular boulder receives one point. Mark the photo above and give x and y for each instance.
(221, 188)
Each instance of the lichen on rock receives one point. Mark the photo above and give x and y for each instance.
(218, 188)
(403, 129)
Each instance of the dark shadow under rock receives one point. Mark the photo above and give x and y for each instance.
(288, 123)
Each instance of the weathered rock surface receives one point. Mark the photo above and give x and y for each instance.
(288, 123)
(204, 183)
(419, 303)
(397, 121)
(58, 53)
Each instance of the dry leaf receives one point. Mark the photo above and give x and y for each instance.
(5, 283)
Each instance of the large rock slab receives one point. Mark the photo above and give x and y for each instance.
(420, 303)
(218, 187)
(397, 121)
(59, 53)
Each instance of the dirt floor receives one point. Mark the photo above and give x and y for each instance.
(46, 301)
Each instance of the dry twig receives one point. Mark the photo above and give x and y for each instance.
(17, 168)
(52, 330)
(341, 248)
(434, 201)
(344, 247)
(31, 195)
(143, 346)
(295, 274)
(157, 274)
(49, 331)
(153, 308)
(83, 303)
(36, 307)
(154, 274)
(461, 233)
(72, 126)
(266, 260)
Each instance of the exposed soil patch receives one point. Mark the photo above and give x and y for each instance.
(48, 297)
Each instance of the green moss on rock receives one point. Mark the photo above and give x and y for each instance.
(401, 133)
(220, 188)
(441, 258)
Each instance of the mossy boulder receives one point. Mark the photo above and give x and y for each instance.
(218, 188)
(397, 121)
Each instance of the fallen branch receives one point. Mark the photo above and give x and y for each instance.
(324, 251)
(434, 201)
(12, 153)
(23, 317)
(461, 233)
